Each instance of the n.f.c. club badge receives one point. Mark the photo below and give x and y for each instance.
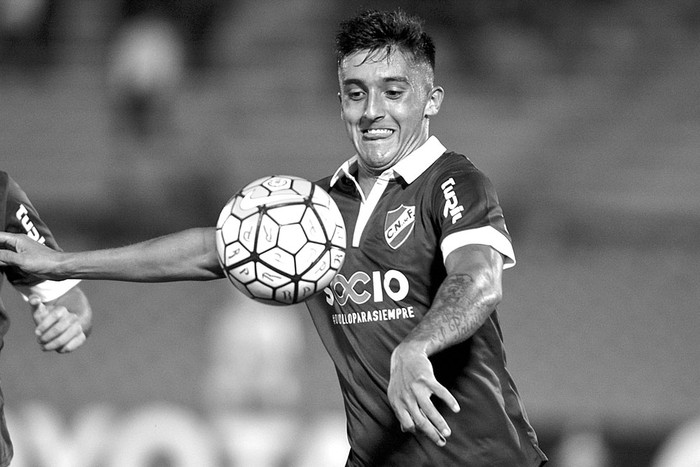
(398, 225)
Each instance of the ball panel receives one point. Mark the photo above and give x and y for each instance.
(276, 183)
(269, 276)
(337, 257)
(268, 231)
(286, 294)
(230, 229)
(327, 276)
(243, 274)
(303, 187)
(305, 289)
(279, 259)
(234, 254)
(318, 269)
(338, 237)
(248, 230)
(308, 256)
(291, 238)
(288, 213)
(258, 290)
(312, 227)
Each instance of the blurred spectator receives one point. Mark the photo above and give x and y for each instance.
(194, 20)
(146, 66)
(582, 445)
(25, 39)
(256, 357)
(253, 383)
(682, 448)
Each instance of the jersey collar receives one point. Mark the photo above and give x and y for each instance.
(409, 168)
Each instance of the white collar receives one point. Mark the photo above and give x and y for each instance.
(409, 168)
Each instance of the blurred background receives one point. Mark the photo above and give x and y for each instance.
(123, 120)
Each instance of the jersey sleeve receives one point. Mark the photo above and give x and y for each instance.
(468, 211)
(20, 216)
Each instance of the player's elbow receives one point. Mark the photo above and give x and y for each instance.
(489, 289)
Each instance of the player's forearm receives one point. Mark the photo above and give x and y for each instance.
(185, 255)
(461, 306)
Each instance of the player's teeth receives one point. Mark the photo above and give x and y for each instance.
(379, 131)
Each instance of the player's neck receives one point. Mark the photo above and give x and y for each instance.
(368, 178)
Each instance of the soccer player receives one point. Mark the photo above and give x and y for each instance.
(410, 321)
(60, 310)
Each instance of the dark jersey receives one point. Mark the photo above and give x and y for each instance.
(17, 215)
(418, 212)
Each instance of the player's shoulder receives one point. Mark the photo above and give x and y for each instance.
(456, 167)
(5, 183)
(451, 160)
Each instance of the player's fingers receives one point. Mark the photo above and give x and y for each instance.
(7, 249)
(405, 420)
(434, 420)
(8, 241)
(39, 310)
(68, 341)
(53, 323)
(442, 393)
(426, 426)
(73, 343)
(7, 258)
(431, 412)
(45, 321)
(34, 301)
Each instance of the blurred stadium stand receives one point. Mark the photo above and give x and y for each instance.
(586, 115)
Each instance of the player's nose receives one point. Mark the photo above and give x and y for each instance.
(374, 107)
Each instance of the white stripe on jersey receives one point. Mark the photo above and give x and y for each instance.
(47, 291)
(367, 206)
(480, 236)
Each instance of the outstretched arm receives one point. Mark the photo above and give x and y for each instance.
(186, 255)
(466, 298)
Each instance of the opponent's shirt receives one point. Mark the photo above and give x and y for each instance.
(17, 215)
(429, 204)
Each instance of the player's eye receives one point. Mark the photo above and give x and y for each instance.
(393, 93)
(355, 94)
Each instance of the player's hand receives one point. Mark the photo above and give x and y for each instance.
(411, 385)
(57, 329)
(28, 255)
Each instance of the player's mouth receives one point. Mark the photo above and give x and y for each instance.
(377, 133)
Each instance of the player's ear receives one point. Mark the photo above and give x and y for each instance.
(340, 101)
(432, 107)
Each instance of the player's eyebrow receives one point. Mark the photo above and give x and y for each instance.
(388, 79)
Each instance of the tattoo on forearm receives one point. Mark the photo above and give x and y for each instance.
(457, 311)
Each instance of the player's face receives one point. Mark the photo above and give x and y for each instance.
(385, 103)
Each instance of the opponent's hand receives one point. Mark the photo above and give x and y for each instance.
(57, 329)
(28, 255)
(411, 385)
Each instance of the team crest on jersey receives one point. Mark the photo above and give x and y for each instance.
(398, 225)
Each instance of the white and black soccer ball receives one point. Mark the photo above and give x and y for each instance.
(280, 239)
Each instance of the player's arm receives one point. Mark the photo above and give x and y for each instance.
(186, 255)
(62, 324)
(465, 299)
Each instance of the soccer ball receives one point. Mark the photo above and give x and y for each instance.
(280, 239)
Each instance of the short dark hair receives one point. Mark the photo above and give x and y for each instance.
(376, 30)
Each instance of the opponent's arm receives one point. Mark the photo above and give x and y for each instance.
(186, 255)
(466, 298)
